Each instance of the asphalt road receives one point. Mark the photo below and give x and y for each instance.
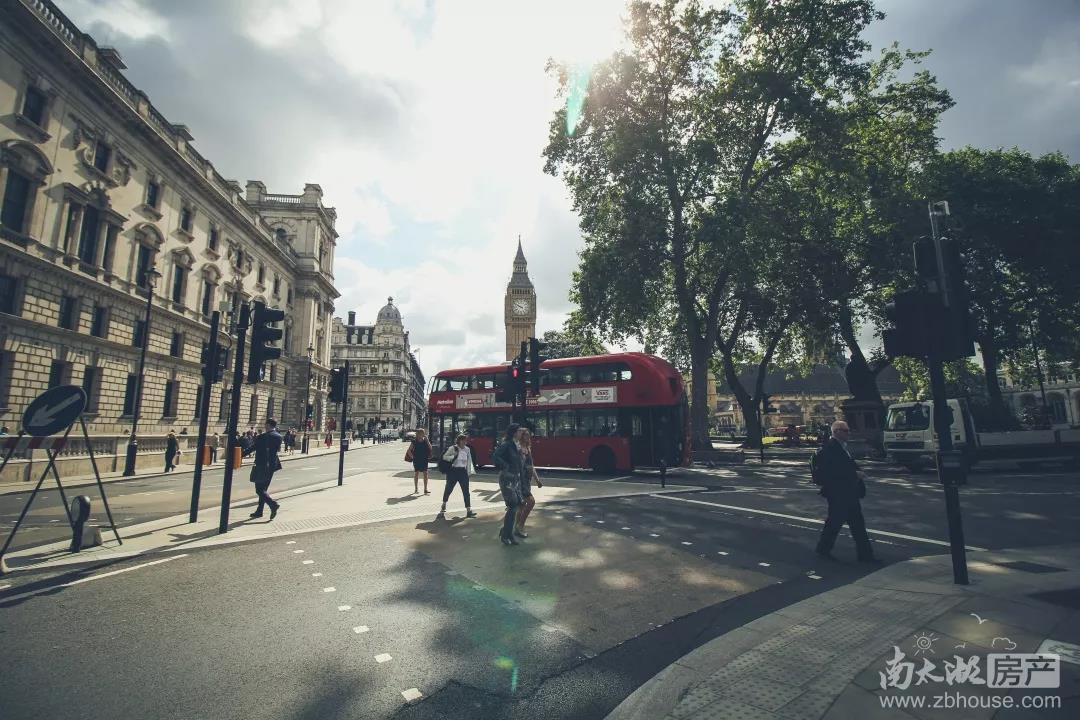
(250, 631)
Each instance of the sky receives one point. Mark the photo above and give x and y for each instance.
(424, 122)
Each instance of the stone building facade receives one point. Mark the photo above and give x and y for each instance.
(386, 386)
(100, 193)
(519, 306)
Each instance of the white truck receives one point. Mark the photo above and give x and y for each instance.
(911, 439)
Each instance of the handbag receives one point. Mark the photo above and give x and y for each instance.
(409, 454)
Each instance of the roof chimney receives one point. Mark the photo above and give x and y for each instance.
(352, 317)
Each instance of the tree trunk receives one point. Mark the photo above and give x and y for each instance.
(749, 405)
(999, 412)
(861, 378)
(699, 395)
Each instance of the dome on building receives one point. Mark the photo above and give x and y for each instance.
(389, 313)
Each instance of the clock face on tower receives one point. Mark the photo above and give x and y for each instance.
(520, 307)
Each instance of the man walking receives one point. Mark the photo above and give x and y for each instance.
(213, 442)
(266, 447)
(843, 485)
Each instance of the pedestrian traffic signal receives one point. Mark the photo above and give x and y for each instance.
(535, 373)
(263, 335)
(765, 404)
(215, 359)
(507, 383)
(911, 317)
(337, 385)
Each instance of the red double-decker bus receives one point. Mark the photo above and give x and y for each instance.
(606, 412)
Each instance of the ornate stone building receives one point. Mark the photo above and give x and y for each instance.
(101, 195)
(519, 306)
(386, 386)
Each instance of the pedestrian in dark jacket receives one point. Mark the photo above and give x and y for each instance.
(172, 449)
(419, 453)
(510, 462)
(843, 485)
(266, 447)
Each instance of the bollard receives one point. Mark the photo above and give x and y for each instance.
(663, 473)
(206, 455)
(237, 458)
(80, 512)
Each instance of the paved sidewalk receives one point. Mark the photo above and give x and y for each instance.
(367, 496)
(821, 658)
(22, 486)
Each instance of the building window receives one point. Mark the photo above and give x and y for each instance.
(153, 194)
(223, 406)
(69, 313)
(288, 296)
(34, 105)
(176, 345)
(89, 237)
(285, 376)
(7, 367)
(212, 241)
(59, 373)
(129, 395)
(208, 298)
(16, 201)
(253, 409)
(198, 401)
(273, 372)
(99, 325)
(270, 406)
(138, 333)
(262, 274)
(102, 156)
(187, 218)
(172, 389)
(91, 385)
(143, 263)
(277, 286)
(179, 275)
(111, 231)
(9, 287)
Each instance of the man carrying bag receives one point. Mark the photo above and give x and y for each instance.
(266, 447)
(842, 485)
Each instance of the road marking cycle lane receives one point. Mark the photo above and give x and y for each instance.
(816, 521)
(99, 576)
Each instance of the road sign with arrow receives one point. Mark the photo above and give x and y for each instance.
(54, 410)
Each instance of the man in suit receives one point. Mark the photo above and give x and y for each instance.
(265, 447)
(843, 485)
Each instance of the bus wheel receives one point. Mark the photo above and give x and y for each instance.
(602, 460)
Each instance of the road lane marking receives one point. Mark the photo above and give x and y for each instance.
(625, 528)
(764, 564)
(309, 562)
(291, 542)
(329, 589)
(344, 608)
(384, 657)
(817, 521)
(653, 535)
(101, 576)
(411, 695)
(297, 552)
(316, 574)
(814, 577)
(5, 587)
(359, 629)
(616, 479)
(687, 543)
(313, 467)
(598, 522)
(721, 552)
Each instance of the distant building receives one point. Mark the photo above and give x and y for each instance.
(1062, 389)
(519, 306)
(386, 386)
(810, 400)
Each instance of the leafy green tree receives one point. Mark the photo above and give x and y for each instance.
(676, 137)
(571, 341)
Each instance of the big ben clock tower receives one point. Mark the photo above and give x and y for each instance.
(519, 310)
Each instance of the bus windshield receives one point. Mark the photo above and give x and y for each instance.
(915, 417)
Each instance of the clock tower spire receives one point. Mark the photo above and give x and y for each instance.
(519, 309)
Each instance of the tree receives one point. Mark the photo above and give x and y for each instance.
(676, 137)
(571, 341)
(1016, 217)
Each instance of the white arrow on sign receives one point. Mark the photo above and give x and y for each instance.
(46, 415)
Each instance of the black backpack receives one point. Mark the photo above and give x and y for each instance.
(815, 470)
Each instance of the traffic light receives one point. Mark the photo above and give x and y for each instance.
(765, 400)
(948, 324)
(507, 383)
(911, 319)
(535, 373)
(263, 335)
(222, 366)
(215, 363)
(337, 385)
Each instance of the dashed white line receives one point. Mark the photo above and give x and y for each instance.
(297, 552)
(687, 543)
(383, 657)
(411, 695)
(291, 542)
(653, 535)
(599, 522)
(329, 589)
(310, 467)
(477, 587)
(317, 575)
(625, 528)
(344, 608)
(814, 577)
(5, 587)
(764, 564)
(721, 552)
(452, 572)
(816, 521)
(360, 629)
(309, 562)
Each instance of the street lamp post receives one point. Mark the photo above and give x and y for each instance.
(307, 398)
(150, 278)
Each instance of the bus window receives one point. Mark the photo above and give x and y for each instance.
(622, 372)
(483, 382)
(459, 383)
(462, 423)
(502, 422)
(483, 426)
(562, 423)
(596, 374)
(597, 423)
(562, 376)
(541, 421)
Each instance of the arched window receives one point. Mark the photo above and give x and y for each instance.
(23, 170)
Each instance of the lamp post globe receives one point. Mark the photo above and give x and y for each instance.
(150, 279)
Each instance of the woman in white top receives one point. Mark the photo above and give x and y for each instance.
(459, 455)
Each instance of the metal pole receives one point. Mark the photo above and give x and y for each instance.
(341, 442)
(950, 470)
(133, 443)
(234, 414)
(307, 404)
(97, 476)
(212, 350)
(761, 430)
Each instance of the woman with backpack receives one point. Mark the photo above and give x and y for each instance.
(510, 462)
(419, 454)
(459, 457)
